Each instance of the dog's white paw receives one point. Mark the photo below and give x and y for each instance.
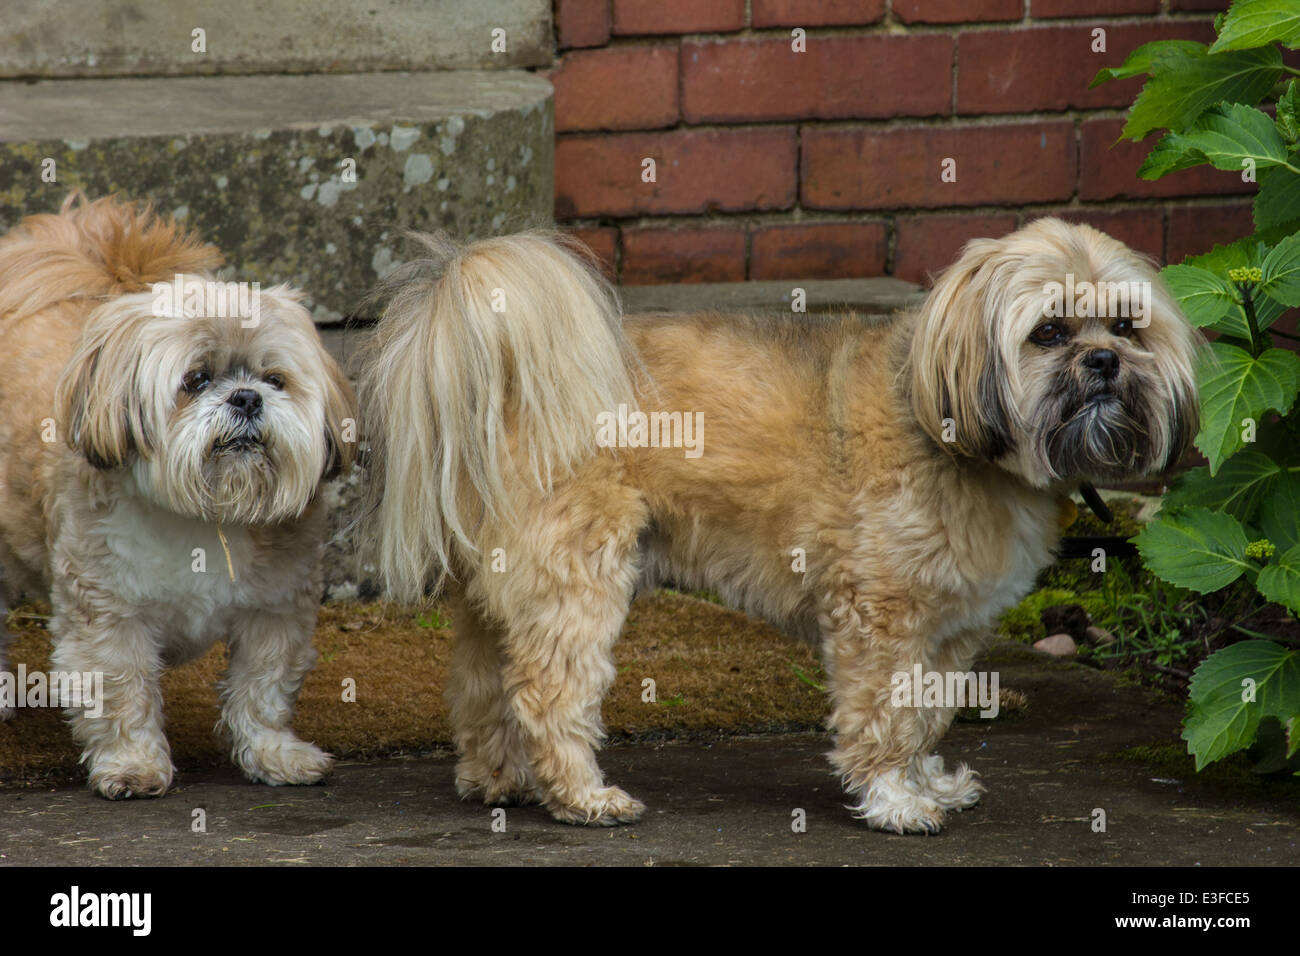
(503, 787)
(959, 790)
(121, 778)
(894, 803)
(281, 759)
(6, 712)
(606, 807)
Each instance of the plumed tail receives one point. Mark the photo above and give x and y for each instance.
(488, 369)
(93, 250)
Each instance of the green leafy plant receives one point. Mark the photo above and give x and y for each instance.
(1238, 516)
(433, 619)
(1152, 619)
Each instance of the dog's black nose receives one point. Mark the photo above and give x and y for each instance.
(1102, 361)
(246, 401)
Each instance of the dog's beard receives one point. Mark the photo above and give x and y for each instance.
(222, 467)
(1087, 428)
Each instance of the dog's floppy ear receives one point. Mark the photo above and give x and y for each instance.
(1177, 350)
(957, 378)
(342, 419)
(98, 403)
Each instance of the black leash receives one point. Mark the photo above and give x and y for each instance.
(1084, 546)
(1093, 500)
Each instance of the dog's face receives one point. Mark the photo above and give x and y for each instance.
(231, 419)
(1056, 353)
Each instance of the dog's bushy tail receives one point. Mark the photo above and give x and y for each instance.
(487, 370)
(94, 250)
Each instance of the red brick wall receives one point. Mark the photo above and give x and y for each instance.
(772, 164)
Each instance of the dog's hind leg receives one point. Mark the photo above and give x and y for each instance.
(571, 567)
(493, 761)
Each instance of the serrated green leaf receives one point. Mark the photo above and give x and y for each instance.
(1252, 23)
(1146, 59)
(1281, 269)
(1169, 155)
(1235, 386)
(1279, 581)
(1195, 548)
(1246, 480)
(1219, 721)
(1293, 736)
(1279, 512)
(1190, 81)
(1288, 113)
(1277, 204)
(1209, 301)
(1247, 251)
(1228, 136)
(1267, 311)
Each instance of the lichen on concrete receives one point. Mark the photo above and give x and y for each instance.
(321, 206)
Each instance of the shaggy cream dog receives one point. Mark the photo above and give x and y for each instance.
(884, 488)
(163, 441)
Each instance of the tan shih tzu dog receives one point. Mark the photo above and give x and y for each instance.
(918, 465)
(163, 440)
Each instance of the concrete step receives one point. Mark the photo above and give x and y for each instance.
(263, 165)
(137, 37)
(875, 296)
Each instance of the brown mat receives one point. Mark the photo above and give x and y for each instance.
(715, 670)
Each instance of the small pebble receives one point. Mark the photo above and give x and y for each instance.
(1099, 635)
(1059, 645)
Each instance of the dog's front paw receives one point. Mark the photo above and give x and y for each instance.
(282, 759)
(503, 787)
(959, 790)
(606, 807)
(6, 712)
(118, 780)
(893, 803)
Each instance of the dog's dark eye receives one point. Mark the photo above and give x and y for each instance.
(275, 380)
(1123, 328)
(196, 380)
(1049, 333)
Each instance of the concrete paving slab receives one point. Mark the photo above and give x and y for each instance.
(727, 802)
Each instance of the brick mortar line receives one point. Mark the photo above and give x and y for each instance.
(1081, 113)
(887, 29)
(878, 216)
(1076, 114)
(892, 226)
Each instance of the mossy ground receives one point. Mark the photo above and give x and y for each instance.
(1233, 774)
(1074, 581)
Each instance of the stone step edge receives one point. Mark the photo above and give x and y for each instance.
(877, 296)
